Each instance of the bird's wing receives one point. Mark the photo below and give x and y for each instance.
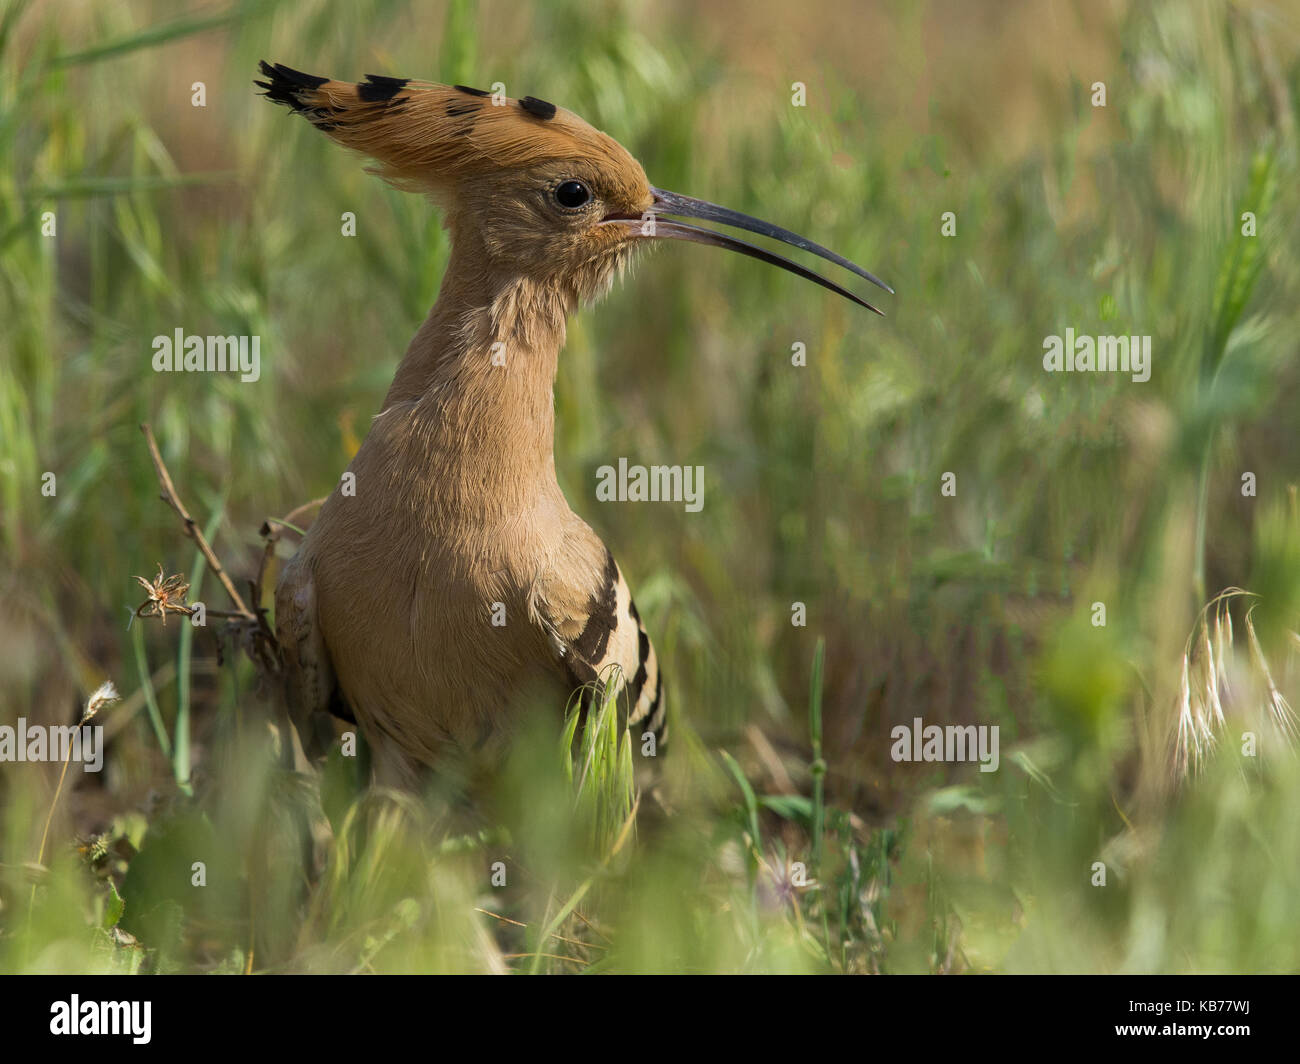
(310, 687)
(591, 632)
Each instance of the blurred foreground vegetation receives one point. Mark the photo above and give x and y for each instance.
(822, 487)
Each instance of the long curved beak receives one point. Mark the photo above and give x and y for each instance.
(676, 205)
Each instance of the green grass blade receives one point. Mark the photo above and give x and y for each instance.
(146, 686)
(148, 38)
(818, 766)
(181, 752)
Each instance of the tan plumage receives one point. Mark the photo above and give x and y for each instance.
(387, 610)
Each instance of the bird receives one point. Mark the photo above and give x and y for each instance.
(446, 588)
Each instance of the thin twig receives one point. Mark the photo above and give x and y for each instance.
(292, 518)
(552, 956)
(498, 916)
(561, 938)
(192, 529)
(271, 529)
(105, 695)
(592, 928)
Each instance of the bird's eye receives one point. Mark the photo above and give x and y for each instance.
(572, 194)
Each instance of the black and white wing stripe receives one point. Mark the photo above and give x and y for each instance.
(613, 634)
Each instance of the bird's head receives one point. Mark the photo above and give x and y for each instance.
(537, 190)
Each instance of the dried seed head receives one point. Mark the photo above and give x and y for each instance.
(164, 594)
(105, 695)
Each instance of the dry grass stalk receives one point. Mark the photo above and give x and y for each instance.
(1216, 685)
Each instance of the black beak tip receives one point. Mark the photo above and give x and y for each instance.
(674, 203)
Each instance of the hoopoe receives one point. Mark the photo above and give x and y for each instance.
(386, 614)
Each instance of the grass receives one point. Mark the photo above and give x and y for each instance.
(778, 835)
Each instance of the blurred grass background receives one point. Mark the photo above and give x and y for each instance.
(822, 486)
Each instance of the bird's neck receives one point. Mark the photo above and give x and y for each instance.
(476, 386)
